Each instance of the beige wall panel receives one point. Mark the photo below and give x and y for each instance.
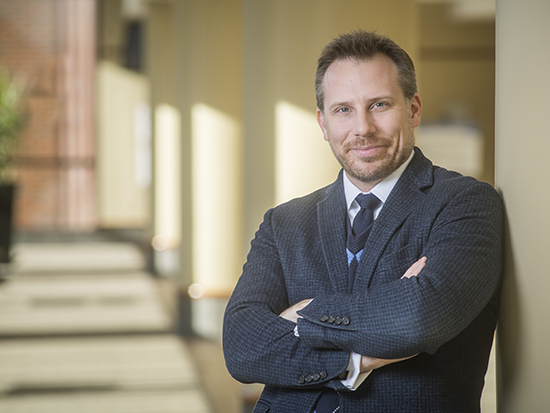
(160, 52)
(522, 176)
(217, 198)
(208, 45)
(111, 30)
(123, 198)
(167, 216)
(467, 86)
(439, 29)
(457, 63)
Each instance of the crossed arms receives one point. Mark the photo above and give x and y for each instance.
(367, 363)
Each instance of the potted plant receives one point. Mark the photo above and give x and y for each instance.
(12, 120)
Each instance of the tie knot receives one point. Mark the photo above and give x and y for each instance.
(367, 201)
(364, 218)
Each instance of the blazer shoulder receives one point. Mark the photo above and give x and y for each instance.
(445, 177)
(439, 183)
(450, 184)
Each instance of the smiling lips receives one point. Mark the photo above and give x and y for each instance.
(368, 151)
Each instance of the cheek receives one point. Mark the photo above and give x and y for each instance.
(402, 134)
(336, 134)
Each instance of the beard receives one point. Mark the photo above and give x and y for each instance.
(373, 169)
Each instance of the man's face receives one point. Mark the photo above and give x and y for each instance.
(367, 121)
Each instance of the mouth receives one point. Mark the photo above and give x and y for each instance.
(368, 151)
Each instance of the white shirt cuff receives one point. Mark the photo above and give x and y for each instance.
(355, 377)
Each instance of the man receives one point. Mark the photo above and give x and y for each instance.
(337, 312)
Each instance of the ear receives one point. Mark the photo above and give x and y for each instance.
(321, 122)
(416, 109)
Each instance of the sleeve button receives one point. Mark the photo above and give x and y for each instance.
(323, 375)
(301, 379)
(316, 377)
(345, 321)
(331, 320)
(309, 378)
(324, 318)
(338, 320)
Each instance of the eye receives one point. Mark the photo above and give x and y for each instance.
(343, 110)
(379, 105)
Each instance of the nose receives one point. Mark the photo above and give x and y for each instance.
(364, 124)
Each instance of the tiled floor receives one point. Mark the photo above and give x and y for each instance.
(82, 329)
(99, 374)
(69, 304)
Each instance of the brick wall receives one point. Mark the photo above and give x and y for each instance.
(39, 39)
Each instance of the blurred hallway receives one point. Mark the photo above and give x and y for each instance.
(83, 328)
(137, 111)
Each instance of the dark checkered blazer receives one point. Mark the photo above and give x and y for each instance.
(447, 313)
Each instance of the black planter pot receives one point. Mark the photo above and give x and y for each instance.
(7, 193)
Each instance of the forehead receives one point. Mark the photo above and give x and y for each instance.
(361, 77)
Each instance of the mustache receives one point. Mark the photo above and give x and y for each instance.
(360, 142)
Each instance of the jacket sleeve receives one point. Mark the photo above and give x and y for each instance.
(410, 316)
(259, 346)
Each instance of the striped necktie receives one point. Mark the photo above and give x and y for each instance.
(360, 232)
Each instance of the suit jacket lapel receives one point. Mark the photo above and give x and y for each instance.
(332, 216)
(402, 200)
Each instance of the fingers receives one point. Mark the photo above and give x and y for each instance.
(415, 269)
(371, 363)
(291, 313)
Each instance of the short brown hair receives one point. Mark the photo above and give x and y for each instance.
(363, 45)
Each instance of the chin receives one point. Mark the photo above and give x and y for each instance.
(376, 172)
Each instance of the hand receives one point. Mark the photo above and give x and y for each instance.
(415, 269)
(371, 363)
(291, 313)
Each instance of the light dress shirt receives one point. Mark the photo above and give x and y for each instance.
(382, 190)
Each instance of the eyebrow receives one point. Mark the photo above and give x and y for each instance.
(371, 101)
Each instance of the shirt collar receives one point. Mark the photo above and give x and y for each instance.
(381, 190)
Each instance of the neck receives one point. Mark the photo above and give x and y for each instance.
(363, 186)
